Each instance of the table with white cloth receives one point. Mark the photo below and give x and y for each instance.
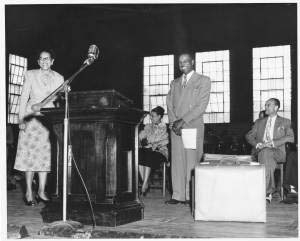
(230, 190)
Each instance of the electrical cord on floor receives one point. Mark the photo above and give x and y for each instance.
(87, 193)
(79, 174)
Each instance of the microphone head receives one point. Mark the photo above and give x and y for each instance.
(93, 52)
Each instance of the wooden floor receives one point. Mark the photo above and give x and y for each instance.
(173, 221)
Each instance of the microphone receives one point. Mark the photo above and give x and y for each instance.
(93, 53)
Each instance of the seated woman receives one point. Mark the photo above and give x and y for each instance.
(153, 146)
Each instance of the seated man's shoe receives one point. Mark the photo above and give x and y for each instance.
(293, 190)
(172, 201)
(269, 198)
(289, 201)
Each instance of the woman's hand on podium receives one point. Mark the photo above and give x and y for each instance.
(67, 88)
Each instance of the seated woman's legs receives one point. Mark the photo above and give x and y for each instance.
(148, 160)
(145, 173)
(146, 178)
(142, 172)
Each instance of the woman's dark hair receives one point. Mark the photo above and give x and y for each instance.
(159, 110)
(47, 50)
(263, 113)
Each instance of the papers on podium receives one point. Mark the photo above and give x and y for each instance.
(189, 138)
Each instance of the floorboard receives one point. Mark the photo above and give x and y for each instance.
(173, 221)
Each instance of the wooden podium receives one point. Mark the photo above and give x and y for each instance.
(104, 141)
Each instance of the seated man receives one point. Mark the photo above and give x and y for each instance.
(268, 136)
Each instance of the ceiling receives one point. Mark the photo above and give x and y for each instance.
(146, 27)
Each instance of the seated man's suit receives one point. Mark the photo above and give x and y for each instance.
(270, 156)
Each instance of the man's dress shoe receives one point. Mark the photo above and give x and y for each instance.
(269, 198)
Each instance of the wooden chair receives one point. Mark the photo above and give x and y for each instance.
(159, 175)
(280, 168)
(163, 168)
(164, 179)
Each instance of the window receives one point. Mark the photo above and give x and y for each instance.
(158, 73)
(272, 78)
(215, 64)
(17, 68)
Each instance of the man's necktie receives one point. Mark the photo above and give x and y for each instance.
(268, 130)
(184, 81)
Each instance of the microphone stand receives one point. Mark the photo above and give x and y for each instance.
(67, 153)
(136, 154)
(73, 225)
(66, 156)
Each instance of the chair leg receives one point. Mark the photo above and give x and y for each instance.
(281, 181)
(164, 179)
(193, 195)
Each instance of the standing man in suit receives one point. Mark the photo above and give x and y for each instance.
(186, 101)
(268, 136)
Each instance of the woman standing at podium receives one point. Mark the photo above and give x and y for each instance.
(34, 148)
(154, 150)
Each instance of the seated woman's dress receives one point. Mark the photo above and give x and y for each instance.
(154, 150)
